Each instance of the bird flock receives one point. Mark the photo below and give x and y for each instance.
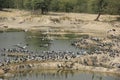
(10, 56)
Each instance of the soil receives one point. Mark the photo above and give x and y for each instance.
(58, 23)
(61, 23)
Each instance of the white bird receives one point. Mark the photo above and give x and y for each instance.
(26, 30)
(22, 47)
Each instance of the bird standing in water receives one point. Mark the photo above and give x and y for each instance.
(22, 47)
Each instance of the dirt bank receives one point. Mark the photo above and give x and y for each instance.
(58, 23)
(54, 65)
(61, 23)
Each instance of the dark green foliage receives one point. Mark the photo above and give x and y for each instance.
(101, 6)
(54, 6)
(40, 4)
(86, 6)
(81, 6)
(1, 4)
(27, 4)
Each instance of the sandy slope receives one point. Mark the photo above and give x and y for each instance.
(59, 23)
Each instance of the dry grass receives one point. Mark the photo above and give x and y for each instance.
(78, 23)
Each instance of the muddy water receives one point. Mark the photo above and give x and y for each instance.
(63, 75)
(38, 43)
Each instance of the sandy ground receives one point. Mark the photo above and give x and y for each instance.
(58, 23)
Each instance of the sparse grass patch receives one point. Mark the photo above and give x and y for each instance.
(70, 35)
(13, 30)
(118, 18)
(65, 18)
(83, 35)
(1, 31)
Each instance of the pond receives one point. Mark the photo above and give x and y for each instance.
(37, 43)
(61, 75)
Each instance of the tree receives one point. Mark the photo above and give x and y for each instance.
(41, 4)
(54, 6)
(108, 7)
(81, 6)
(27, 4)
(68, 7)
(89, 6)
(101, 6)
(1, 4)
(113, 7)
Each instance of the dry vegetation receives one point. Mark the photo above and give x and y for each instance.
(78, 23)
(64, 23)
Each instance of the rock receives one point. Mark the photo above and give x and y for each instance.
(1, 72)
(90, 62)
(8, 75)
(55, 20)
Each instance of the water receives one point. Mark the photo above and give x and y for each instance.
(37, 44)
(65, 75)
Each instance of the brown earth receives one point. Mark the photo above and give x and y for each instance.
(59, 23)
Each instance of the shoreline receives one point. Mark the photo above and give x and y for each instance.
(78, 63)
(58, 23)
(64, 23)
(54, 66)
